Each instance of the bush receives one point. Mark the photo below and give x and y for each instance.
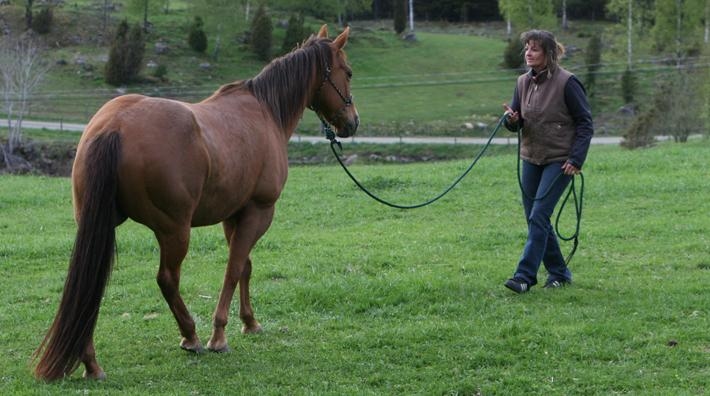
(261, 34)
(126, 55)
(42, 22)
(295, 33)
(160, 72)
(640, 132)
(197, 38)
(513, 55)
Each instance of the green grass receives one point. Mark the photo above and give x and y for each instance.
(360, 299)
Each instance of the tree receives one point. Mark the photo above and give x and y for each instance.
(400, 16)
(42, 22)
(22, 67)
(678, 27)
(676, 103)
(593, 60)
(325, 9)
(221, 15)
(126, 55)
(513, 55)
(295, 33)
(197, 38)
(528, 14)
(637, 18)
(28, 13)
(261, 34)
(629, 85)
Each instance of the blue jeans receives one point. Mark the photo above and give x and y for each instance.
(543, 185)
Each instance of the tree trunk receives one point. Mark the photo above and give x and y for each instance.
(565, 24)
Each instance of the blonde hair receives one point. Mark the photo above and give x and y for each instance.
(553, 50)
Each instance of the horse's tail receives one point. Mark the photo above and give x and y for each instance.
(90, 266)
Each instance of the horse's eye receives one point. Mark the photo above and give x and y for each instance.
(349, 74)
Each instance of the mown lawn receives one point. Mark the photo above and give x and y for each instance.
(357, 298)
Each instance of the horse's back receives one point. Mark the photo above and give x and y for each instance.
(163, 163)
(192, 164)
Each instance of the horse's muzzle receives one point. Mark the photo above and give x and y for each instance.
(349, 127)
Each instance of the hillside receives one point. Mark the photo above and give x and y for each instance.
(449, 81)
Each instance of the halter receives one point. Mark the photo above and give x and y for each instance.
(347, 102)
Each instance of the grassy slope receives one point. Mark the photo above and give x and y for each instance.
(360, 299)
(451, 75)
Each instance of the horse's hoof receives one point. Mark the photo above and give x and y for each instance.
(99, 376)
(192, 347)
(218, 346)
(253, 329)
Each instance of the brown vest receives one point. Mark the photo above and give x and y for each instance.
(548, 131)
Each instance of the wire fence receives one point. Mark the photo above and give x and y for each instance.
(375, 95)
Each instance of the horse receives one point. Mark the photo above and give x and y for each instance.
(171, 166)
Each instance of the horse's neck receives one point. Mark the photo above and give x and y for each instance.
(285, 90)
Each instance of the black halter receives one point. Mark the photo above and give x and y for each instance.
(347, 102)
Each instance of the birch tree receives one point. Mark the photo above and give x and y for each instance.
(23, 68)
(678, 27)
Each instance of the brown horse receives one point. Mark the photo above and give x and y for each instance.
(171, 166)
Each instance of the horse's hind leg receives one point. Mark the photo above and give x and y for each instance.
(92, 369)
(173, 248)
(242, 232)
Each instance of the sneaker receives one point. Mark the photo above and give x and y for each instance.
(554, 284)
(517, 285)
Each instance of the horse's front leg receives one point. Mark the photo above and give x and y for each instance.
(173, 248)
(241, 232)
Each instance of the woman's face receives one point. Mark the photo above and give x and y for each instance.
(535, 56)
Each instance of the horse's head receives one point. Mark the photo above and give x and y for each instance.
(332, 100)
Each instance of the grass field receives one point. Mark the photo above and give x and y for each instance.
(360, 299)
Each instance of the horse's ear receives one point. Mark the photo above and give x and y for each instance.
(342, 38)
(323, 32)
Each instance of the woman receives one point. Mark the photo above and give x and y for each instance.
(551, 107)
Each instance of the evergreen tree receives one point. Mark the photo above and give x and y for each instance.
(197, 38)
(126, 55)
(261, 34)
(400, 15)
(593, 60)
(513, 56)
(136, 51)
(42, 22)
(628, 86)
(295, 33)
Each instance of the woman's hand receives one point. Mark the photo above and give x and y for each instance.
(569, 169)
(512, 117)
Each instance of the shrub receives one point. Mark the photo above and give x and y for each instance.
(640, 132)
(160, 72)
(42, 22)
(261, 34)
(197, 38)
(126, 55)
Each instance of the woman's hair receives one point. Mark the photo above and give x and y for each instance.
(552, 49)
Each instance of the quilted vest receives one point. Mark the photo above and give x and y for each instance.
(548, 130)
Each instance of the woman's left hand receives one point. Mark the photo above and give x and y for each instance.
(569, 169)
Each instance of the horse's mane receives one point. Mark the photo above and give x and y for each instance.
(283, 84)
